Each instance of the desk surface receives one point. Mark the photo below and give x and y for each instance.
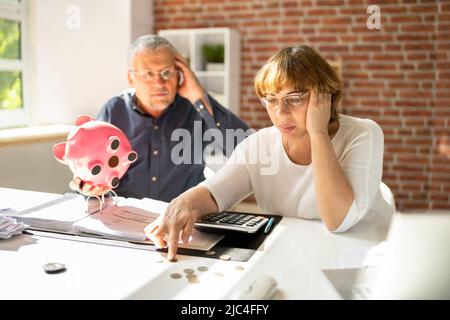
(294, 254)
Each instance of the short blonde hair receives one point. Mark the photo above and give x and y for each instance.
(302, 68)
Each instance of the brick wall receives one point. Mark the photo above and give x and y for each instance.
(398, 76)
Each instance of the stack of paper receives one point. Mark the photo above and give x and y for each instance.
(58, 214)
(9, 227)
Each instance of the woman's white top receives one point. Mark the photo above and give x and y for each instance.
(260, 165)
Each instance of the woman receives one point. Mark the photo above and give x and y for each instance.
(322, 165)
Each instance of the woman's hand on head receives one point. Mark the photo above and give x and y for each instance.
(318, 113)
(178, 220)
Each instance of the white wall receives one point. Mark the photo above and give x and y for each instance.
(76, 70)
(73, 72)
(31, 166)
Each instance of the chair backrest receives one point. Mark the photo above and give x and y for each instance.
(417, 261)
(387, 194)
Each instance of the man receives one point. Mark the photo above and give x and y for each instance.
(165, 96)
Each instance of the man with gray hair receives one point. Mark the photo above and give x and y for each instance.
(165, 95)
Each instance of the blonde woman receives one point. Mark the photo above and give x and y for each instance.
(324, 165)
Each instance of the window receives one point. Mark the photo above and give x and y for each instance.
(13, 73)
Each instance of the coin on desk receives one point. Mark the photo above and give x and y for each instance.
(189, 270)
(240, 268)
(202, 268)
(54, 267)
(193, 280)
(175, 276)
(225, 257)
(219, 274)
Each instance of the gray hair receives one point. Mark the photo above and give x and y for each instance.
(148, 42)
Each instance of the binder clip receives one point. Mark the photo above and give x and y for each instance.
(101, 200)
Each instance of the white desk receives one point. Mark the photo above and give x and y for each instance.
(294, 254)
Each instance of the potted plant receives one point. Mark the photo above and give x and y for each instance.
(214, 56)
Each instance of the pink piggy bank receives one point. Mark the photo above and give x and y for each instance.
(96, 152)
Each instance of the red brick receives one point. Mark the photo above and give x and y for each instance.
(399, 75)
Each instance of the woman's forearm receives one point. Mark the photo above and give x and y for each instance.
(334, 193)
(201, 200)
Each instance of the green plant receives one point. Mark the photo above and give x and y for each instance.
(213, 52)
(10, 80)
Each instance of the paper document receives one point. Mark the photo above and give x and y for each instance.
(128, 223)
(9, 227)
(58, 214)
(13, 201)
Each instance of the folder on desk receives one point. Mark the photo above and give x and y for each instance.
(67, 215)
(123, 225)
(127, 223)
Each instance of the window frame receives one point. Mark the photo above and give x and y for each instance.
(17, 13)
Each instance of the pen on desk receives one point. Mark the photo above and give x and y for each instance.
(269, 225)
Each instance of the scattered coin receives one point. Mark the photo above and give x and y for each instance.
(240, 268)
(225, 257)
(54, 267)
(189, 270)
(175, 276)
(193, 280)
(159, 261)
(210, 253)
(191, 275)
(202, 268)
(219, 274)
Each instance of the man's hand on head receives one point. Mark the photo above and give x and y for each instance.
(191, 88)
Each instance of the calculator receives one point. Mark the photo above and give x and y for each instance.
(234, 221)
